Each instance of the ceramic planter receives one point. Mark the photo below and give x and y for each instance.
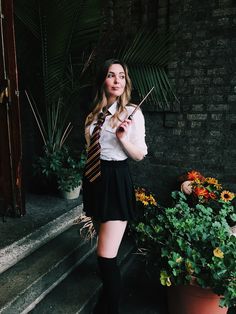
(73, 194)
(193, 300)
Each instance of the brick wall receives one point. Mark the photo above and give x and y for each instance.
(203, 71)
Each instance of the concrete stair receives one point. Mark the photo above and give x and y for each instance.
(22, 247)
(52, 270)
(78, 292)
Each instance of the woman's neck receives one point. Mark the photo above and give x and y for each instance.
(111, 101)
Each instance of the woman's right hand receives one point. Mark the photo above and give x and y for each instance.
(122, 129)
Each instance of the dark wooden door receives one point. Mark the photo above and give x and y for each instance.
(11, 201)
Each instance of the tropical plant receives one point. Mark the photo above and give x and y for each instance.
(68, 43)
(54, 128)
(190, 243)
(71, 47)
(69, 175)
(66, 34)
(148, 55)
(63, 166)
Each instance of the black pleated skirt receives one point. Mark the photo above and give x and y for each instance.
(111, 196)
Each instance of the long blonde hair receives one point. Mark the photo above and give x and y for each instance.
(100, 99)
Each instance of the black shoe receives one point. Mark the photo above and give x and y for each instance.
(101, 306)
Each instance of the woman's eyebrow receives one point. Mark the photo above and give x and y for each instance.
(115, 73)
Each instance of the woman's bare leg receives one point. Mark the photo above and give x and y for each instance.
(109, 238)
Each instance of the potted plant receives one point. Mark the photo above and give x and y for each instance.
(191, 243)
(69, 175)
(57, 166)
(45, 168)
(63, 168)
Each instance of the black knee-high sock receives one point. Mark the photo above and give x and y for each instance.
(111, 279)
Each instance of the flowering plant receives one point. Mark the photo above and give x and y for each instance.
(146, 198)
(191, 242)
(205, 189)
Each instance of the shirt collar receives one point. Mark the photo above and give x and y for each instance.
(112, 108)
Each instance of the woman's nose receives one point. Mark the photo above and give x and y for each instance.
(117, 79)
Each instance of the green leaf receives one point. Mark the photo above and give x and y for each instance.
(147, 56)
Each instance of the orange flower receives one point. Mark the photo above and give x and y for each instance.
(193, 175)
(212, 195)
(152, 200)
(201, 191)
(144, 198)
(211, 180)
(227, 196)
(218, 186)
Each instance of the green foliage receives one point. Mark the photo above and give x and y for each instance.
(78, 42)
(54, 128)
(70, 175)
(49, 163)
(147, 55)
(191, 243)
(63, 166)
(56, 163)
(65, 31)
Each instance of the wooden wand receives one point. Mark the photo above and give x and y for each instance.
(130, 117)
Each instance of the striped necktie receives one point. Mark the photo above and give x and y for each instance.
(93, 164)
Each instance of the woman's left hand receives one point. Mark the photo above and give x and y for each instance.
(186, 187)
(122, 129)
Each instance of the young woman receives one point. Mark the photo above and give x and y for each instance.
(108, 193)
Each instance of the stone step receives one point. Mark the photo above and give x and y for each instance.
(78, 292)
(21, 248)
(30, 279)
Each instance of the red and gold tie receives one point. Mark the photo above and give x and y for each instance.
(93, 164)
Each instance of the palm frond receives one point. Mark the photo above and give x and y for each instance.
(148, 47)
(58, 19)
(88, 25)
(38, 119)
(147, 56)
(54, 128)
(81, 25)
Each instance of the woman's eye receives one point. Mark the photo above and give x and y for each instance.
(111, 75)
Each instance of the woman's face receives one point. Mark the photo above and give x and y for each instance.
(115, 82)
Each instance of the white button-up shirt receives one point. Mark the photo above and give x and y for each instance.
(111, 149)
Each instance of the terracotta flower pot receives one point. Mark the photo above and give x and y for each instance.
(193, 300)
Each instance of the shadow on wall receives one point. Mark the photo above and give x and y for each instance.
(156, 179)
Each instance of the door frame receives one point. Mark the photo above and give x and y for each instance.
(11, 191)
